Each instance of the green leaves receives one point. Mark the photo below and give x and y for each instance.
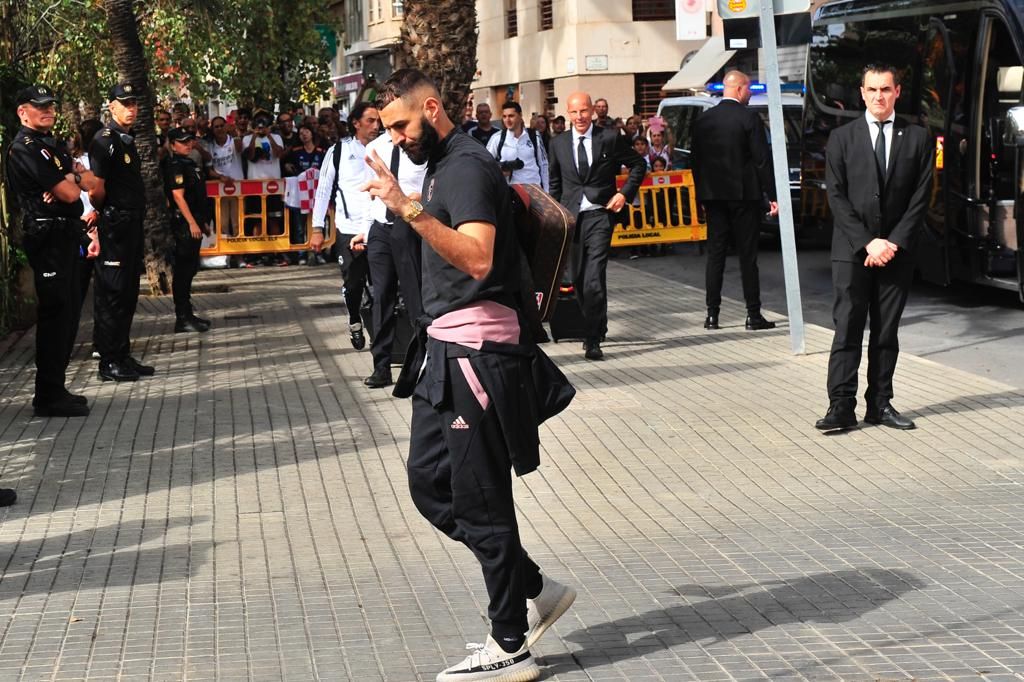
(260, 50)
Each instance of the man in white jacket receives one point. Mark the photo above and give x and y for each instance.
(343, 173)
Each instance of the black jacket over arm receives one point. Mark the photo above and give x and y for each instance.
(610, 152)
(861, 211)
(731, 157)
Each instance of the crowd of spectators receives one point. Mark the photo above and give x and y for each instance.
(256, 144)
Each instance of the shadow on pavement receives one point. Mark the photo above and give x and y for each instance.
(737, 610)
(100, 558)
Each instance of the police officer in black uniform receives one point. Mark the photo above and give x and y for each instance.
(186, 194)
(120, 196)
(48, 189)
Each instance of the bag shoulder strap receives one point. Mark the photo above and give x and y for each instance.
(532, 132)
(501, 141)
(336, 190)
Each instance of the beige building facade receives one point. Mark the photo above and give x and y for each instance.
(538, 51)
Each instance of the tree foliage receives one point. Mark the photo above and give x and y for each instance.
(263, 51)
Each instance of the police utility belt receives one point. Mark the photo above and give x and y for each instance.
(37, 227)
(116, 215)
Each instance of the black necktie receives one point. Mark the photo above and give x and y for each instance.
(582, 164)
(880, 147)
(395, 158)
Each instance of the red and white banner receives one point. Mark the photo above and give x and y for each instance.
(231, 188)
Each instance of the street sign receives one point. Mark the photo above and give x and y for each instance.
(743, 9)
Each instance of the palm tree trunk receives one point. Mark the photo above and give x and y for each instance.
(131, 68)
(439, 38)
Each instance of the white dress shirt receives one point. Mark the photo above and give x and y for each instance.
(410, 176)
(873, 129)
(522, 148)
(353, 173)
(588, 145)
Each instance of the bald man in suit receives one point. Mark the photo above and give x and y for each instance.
(583, 164)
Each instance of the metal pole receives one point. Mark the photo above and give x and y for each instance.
(781, 163)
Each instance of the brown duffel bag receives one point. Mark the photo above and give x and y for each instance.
(545, 235)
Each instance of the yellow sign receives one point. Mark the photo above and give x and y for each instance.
(737, 6)
(940, 142)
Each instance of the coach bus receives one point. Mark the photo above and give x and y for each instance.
(961, 76)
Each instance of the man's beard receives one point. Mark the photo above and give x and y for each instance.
(420, 150)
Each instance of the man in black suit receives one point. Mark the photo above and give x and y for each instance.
(879, 175)
(583, 164)
(732, 169)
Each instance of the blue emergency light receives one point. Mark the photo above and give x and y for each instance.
(760, 87)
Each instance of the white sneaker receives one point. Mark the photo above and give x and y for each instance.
(490, 662)
(541, 613)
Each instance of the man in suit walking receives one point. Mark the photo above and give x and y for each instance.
(732, 169)
(879, 172)
(583, 165)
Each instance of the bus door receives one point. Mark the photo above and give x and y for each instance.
(992, 164)
(1013, 135)
(941, 111)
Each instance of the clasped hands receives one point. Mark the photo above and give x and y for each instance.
(880, 252)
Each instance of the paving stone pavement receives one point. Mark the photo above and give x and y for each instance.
(244, 514)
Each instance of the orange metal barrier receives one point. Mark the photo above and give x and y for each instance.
(665, 212)
(249, 217)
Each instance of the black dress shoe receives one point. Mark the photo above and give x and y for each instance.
(711, 322)
(888, 416)
(379, 379)
(593, 350)
(62, 407)
(143, 370)
(201, 320)
(117, 371)
(756, 322)
(187, 324)
(355, 333)
(837, 419)
(7, 497)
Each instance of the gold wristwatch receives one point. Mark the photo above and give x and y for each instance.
(413, 212)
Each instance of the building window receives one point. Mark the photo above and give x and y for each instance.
(647, 92)
(511, 20)
(654, 10)
(547, 14)
(397, 9)
(355, 29)
(548, 88)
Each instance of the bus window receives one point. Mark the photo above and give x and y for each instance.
(1000, 90)
(840, 52)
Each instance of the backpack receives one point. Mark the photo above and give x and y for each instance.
(544, 229)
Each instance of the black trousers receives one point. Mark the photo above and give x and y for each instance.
(186, 265)
(354, 269)
(862, 293)
(116, 283)
(460, 478)
(53, 256)
(407, 251)
(592, 242)
(741, 222)
(384, 275)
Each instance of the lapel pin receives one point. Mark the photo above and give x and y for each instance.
(899, 134)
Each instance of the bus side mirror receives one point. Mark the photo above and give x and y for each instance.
(1013, 130)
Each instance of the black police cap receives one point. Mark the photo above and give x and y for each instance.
(36, 94)
(124, 92)
(180, 135)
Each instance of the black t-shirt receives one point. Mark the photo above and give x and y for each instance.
(181, 172)
(35, 165)
(113, 157)
(483, 136)
(464, 184)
